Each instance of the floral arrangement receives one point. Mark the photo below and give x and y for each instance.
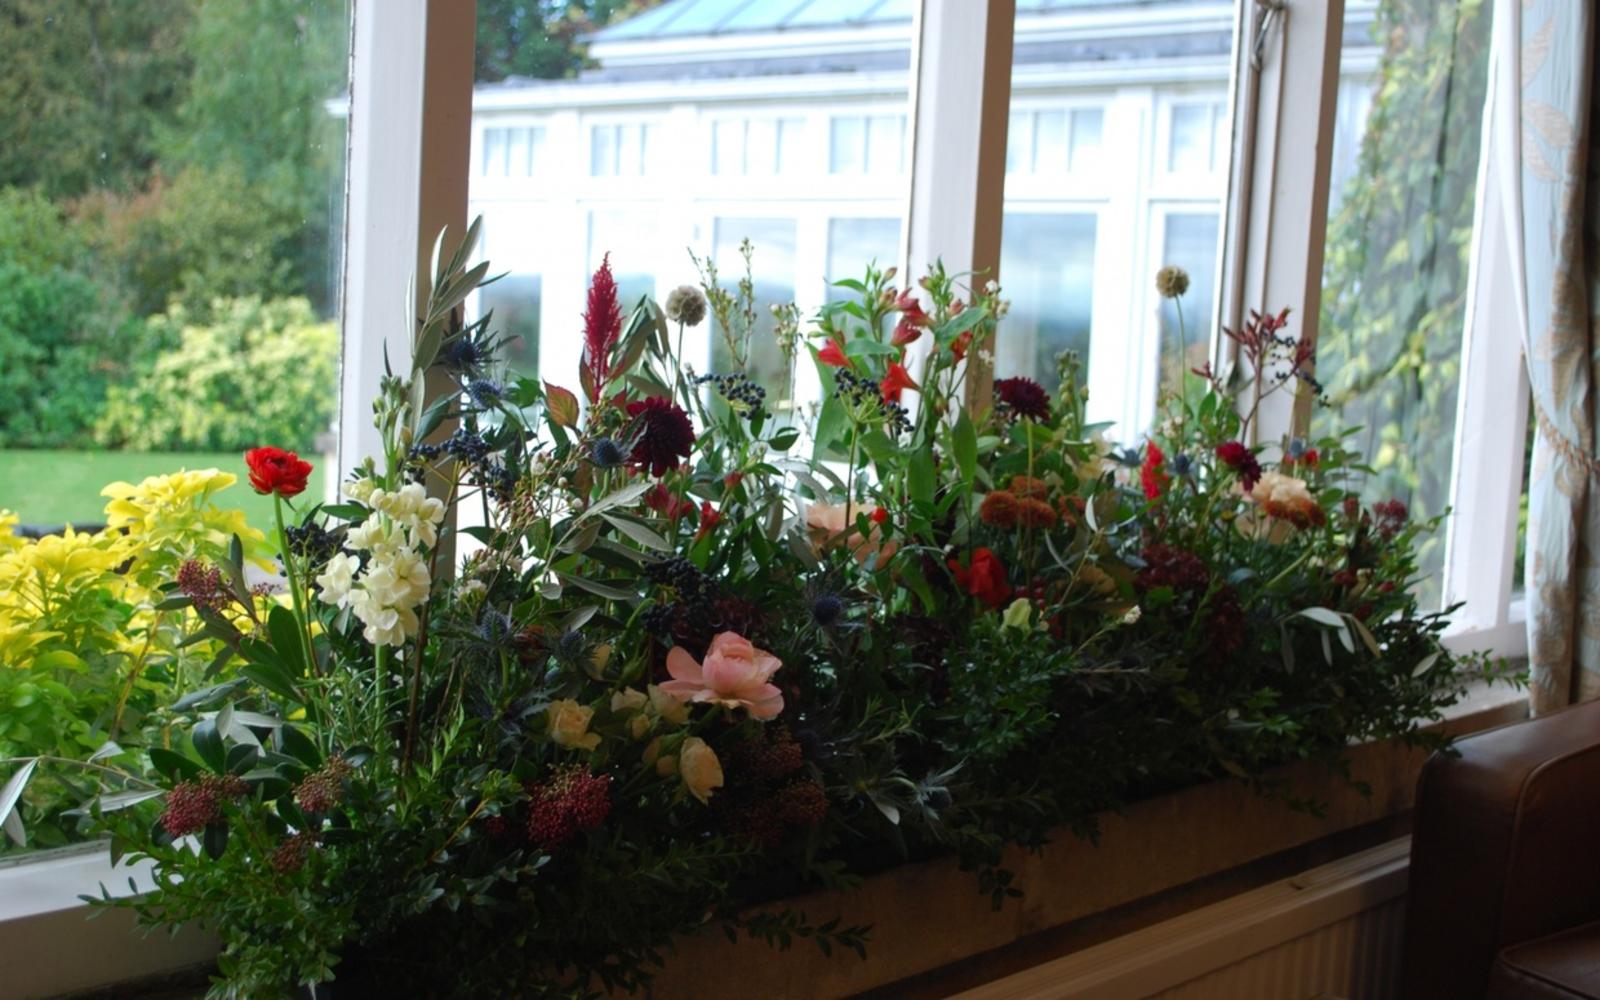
(705, 649)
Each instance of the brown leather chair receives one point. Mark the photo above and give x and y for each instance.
(1504, 897)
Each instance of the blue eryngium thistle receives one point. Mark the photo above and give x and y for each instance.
(463, 354)
(1181, 465)
(827, 610)
(484, 391)
(606, 453)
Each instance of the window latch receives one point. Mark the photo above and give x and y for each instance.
(1267, 14)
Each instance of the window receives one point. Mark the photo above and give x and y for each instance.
(171, 237)
(510, 151)
(855, 243)
(621, 149)
(1050, 261)
(868, 144)
(1054, 142)
(756, 146)
(1399, 244)
(772, 245)
(1188, 240)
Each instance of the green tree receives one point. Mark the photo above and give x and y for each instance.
(542, 39)
(84, 86)
(1398, 251)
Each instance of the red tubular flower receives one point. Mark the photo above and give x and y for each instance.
(275, 471)
(1151, 477)
(1242, 460)
(1024, 397)
(896, 381)
(984, 578)
(666, 503)
(960, 345)
(602, 326)
(710, 517)
(667, 436)
(912, 320)
(833, 355)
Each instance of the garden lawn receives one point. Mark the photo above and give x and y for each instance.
(52, 488)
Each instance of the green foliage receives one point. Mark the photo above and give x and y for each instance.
(85, 86)
(256, 372)
(540, 38)
(1398, 251)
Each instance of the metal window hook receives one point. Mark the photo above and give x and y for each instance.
(1270, 11)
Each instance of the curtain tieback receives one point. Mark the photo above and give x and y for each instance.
(1573, 453)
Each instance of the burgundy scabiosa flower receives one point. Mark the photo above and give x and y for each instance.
(1242, 460)
(1023, 397)
(602, 326)
(666, 435)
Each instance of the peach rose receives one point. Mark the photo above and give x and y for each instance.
(699, 768)
(826, 525)
(569, 725)
(735, 674)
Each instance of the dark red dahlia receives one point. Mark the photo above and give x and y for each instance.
(573, 800)
(1241, 460)
(1023, 397)
(666, 436)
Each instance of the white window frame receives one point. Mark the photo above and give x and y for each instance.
(1277, 225)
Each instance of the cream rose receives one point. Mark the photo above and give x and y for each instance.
(569, 725)
(699, 768)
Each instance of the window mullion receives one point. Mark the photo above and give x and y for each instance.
(410, 155)
(960, 106)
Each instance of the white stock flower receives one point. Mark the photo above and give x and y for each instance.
(359, 490)
(337, 578)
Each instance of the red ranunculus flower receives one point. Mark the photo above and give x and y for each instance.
(1242, 460)
(273, 470)
(666, 437)
(833, 355)
(1024, 397)
(1151, 476)
(895, 382)
(984, 578)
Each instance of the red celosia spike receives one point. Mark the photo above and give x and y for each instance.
(602, 326)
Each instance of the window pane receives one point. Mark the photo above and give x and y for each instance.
(847, 153)
(727, 148)
(1050, 142)
(1189, 242)
(1086, 126)
(494, 152)
(855, 243)
(1048, 266)
(774, 271)
(171, 204)
(1190, 152)
(1096, 166)
(838, 109)
(1395, 276)
(514, 300)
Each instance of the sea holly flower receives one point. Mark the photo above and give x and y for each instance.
(734, 674)
(275, 472)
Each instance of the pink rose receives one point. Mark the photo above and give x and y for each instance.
(735, 673)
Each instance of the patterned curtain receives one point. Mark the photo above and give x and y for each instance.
(1547, 67)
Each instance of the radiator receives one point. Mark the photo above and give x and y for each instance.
(1332, 932)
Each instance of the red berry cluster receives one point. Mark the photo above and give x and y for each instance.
(291, 855)
(191, 805)
(774, 755)
(323, 789)
(573, 800)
